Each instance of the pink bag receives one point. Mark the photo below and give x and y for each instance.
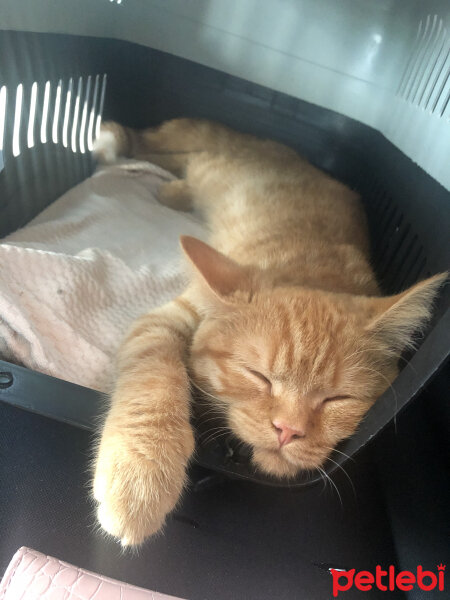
(32, 575)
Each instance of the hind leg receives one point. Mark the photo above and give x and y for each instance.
(151, 145)
(209, 177)
(172, 145)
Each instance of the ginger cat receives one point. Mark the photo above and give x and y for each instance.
(282, 323)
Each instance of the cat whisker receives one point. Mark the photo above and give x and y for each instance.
(345, 473)
(320, 471)
(339, 451)
(208, 408)
(209, 419)
(215, 437)
(408, 364)
(219, 428)
(365, 350)
(328, 478)
(204, 391)
(215, 434)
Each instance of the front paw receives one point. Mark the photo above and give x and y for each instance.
(134, 491)
(106, 146)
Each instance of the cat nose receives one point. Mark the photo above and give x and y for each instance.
(287, 434)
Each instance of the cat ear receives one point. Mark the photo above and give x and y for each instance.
(221, 274)
(398, 317)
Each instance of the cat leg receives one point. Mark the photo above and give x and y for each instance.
(116, 141)
(113, 142)
(147, 439)
(176, 195)
(171, 145)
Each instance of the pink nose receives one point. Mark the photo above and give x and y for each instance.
(287, 434)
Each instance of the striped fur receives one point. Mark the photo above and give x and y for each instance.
(282, 321)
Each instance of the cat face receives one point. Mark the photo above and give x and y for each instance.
(294, 370)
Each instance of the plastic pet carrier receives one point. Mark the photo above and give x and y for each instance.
(360, 88)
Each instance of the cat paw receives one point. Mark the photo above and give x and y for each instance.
(105, 148)
(107, 145)
(135, 493)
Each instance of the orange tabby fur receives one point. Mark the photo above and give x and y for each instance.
(282, 323)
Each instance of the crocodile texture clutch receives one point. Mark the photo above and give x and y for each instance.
(32, 576)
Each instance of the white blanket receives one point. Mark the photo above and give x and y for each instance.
(73, 279)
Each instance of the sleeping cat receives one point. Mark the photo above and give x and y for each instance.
(282, 325)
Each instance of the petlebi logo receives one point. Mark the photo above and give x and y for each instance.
(388, 580)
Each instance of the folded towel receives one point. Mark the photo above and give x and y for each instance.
(75, 277)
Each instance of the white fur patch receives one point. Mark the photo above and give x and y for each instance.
(106, 147)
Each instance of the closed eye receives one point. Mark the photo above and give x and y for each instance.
(335, 398)
(260, 376)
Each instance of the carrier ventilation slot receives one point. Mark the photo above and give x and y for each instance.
(3, 95)
(66, 112)
(56, 113)
(47, 90)
(17, 121)
(426, 78)
(32, 115)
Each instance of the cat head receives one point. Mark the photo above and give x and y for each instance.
(294, 370)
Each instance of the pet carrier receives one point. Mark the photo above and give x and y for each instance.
(362, 89)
